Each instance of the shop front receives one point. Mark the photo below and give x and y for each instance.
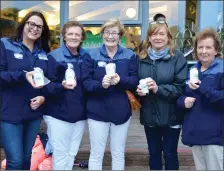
(184, 18)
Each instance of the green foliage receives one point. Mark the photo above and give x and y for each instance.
(221, 37)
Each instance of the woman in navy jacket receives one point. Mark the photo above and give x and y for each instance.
(108, 108)
(65, 107)
(21, 103)
(203, 102)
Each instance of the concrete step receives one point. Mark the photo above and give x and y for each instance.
(138, 157)
(138, 168)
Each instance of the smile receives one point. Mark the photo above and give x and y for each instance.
(110, 40)
(73, 41)
(33, 33)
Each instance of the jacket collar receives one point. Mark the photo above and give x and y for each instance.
(103, 50)
(148, 60)
(68, 54)
(20, 44)
(214, 63)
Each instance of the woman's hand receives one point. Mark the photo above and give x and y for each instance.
(29, 77)
(194, 85)
(189, 102)
(152, 85)
(139, 91)
(106, 81)
(69, 86)
(115, 79)
(36, 102)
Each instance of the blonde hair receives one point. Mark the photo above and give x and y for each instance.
(154, 28)
(113, 23)
(208, 33)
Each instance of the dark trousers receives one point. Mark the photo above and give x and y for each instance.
(18, 141)
(162, 139)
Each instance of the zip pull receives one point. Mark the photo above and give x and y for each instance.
(110, 61)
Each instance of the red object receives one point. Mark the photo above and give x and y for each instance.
(38, 155)
(3, 165)
(46, 164)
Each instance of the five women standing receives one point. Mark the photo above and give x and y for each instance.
(98, 93)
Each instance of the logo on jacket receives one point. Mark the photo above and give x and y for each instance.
(18, 55)
(102, 64)
(42, 56)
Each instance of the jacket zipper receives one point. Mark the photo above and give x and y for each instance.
(35, 56)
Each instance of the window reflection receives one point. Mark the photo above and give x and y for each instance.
(130, 40)
(182, 31)
(103, 10)
(12, 13)
(220, 28)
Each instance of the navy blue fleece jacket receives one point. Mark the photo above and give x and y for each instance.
(61, 103)
(112, 104)
(203, 123)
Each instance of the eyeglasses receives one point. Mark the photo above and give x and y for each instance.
(33, 25)
(159, 22)
(107, 34)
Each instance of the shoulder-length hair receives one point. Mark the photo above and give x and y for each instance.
(154, 28)
(45, 36)
(208, 33)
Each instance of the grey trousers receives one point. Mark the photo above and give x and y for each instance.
(208, 157)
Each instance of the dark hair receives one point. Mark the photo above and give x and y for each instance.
(158, 15)
(45, 36)
(73, 24)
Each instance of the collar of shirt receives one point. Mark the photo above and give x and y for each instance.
(214, 64)
(103, 51)
(67, 53)
(35, 50)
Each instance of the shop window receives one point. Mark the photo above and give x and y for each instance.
(183, 25)
(130, 39)
(220, 28)
(190, 28)
(103, 10)
(12, 13)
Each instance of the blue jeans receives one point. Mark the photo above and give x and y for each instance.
(162, 139)
(18, 141)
